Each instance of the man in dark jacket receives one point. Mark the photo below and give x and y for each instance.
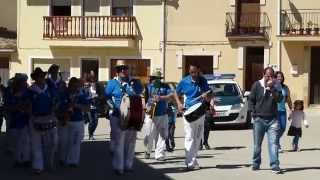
(263, 99)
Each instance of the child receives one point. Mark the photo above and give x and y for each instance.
(297, 117)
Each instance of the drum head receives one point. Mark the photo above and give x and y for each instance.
(192, 108)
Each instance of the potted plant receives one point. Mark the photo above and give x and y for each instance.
(301, 29)
(308, 28)
(315, 29)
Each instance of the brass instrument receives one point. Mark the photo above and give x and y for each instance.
(151, 107)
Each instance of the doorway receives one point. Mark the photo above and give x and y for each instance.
(138, 68)
(204, 62)
(254, 65)
(4, 69)
(247, 16)
(314, 76)
(90, 67)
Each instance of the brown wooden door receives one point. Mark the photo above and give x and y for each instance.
(248, 16)
(138, 68)
(204, 62)
(90, 67)
(314, 76)
(254, 65)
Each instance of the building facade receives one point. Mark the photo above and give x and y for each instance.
(245, 36)
(89, 35)
(8, 36)
(231, 36)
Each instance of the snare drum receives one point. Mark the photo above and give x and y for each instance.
(131, 112)
(195, 112)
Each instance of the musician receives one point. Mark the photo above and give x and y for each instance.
(56, 84)
(157, 116)
(192, 86)
(16, 103)
(44, 135)
(122, 141)
(76, 104)
(92, 116)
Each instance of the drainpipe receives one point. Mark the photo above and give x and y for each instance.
(164, 38)
(279, 43)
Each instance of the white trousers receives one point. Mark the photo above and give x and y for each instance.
(44, 144)
(156, 131)
(21, 138)
(124, 142)
(193, 136)
(74, 137)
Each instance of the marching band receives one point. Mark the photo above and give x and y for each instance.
(46, 120)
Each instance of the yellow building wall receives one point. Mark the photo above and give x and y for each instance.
(73, 55)
(32, 44)
(8, 14)
(298, 4)
(297, 53)
(196, 26)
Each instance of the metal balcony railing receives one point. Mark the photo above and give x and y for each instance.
(89, 27)
(300, 23)
(255, 25)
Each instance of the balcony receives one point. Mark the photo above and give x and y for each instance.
(300, 25)
(249, 26)
(95, 30)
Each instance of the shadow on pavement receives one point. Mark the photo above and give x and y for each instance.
(95, 165)
(285, 170)
(229, 147)
(310, 149)
(232, 166)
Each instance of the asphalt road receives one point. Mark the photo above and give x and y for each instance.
(229, 158)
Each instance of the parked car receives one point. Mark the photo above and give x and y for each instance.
(231, 107)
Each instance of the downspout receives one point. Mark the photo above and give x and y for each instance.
(164, 39)
(279, 43)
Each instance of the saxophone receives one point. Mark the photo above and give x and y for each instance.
(151, 107)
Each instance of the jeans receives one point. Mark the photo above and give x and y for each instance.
(206, 132)
(271, 127)
(295, 140)
(282, 118)
(170, 144)
(93, 121)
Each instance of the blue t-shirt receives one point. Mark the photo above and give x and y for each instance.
(192, 89)
(79, 98)
(18, 119)
(42, 100)
(162, 106)
(115, 90)
(282, 103)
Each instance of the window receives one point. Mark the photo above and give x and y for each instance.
(91, 7)
(60, 7)
(225, 90)
(122, 8)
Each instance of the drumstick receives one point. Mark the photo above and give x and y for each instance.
(205, 93)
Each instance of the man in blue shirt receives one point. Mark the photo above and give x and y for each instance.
(192, 86)
(156, 120)
(16, 103)
(122, 141)
(44, 135)
(76, 103)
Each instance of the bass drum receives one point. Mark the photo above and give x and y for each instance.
(195, 112)
(131, 113)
